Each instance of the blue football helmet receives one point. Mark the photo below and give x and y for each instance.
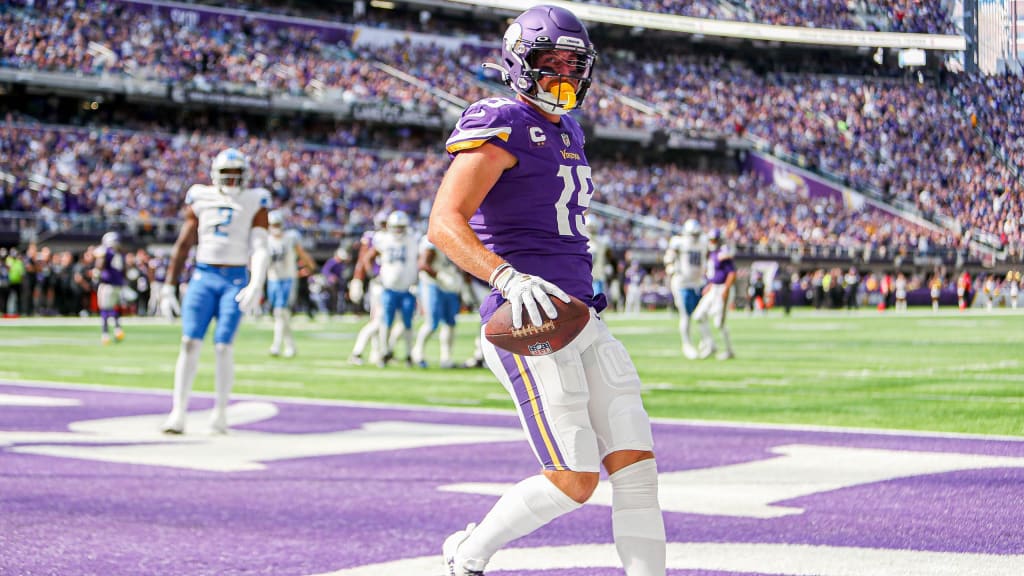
(544, 29)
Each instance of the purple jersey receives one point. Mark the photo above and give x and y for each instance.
(367, 240)
(533, 216)
(720, 264)
(113, 268)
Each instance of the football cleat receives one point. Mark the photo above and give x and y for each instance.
(289, 352)
(105, 339)
(355, 360)
(218, 425)
(706, 350)
(119, 335)
(422, 364)
(175, 424)
(450, 549)
(689, 351)
(447, 365)
(725, 355)
(274, 351)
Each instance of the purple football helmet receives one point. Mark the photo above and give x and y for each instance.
(543, 29)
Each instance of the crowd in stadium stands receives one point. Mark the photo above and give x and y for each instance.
(59, 170)
(911, 144)
(891, 16)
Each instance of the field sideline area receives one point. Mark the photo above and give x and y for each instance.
(833, 445)
(948, 372)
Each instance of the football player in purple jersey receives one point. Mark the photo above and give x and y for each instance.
(110, 264)
(717, 294)
(511, 210)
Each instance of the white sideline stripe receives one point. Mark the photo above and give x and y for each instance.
(25, 400)
(511, 413)
(781, 559)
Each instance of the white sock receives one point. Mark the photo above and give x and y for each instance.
(421, 341)
(365, 334)
(684, 327)
(185, 374)
(278, 328)
(447, 337)
(407, 336)
(289, 341)
(224, 379)
(526, 507)
(705, 330)
(383, 340)
(637, 522)
(725, 338)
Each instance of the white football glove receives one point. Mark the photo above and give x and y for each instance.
(532, 292)
(250, 297)
(169, 306)
(355, 291)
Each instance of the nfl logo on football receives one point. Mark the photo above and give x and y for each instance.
(540, 349)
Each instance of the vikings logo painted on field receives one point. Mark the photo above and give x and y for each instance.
(350, 490)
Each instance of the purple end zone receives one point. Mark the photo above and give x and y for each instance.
(316, 513)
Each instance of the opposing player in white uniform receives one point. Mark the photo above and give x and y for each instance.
(397, 248)
(285, 250)
(721, 275)
(227, 221)
(598, 246)
(356, 291)
(441, 282)
(685, 261)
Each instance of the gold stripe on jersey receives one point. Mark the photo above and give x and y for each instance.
(469, 139)
(541, 422)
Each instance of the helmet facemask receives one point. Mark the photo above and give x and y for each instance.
(548, 42)
(230, 171)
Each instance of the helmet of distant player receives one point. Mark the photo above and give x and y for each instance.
(691, 228)
(398, 221)
(111, 240)
(275, 220)
(530, 42)
(714, 238)
(230, 171)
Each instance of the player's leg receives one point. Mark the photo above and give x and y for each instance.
(623, 432)
(103, 302)
(407, 307)
(289, 289)
(229, 316)
(274, 295)
(688, 300)
(197, 310)
(551, 395)
(429, 295)
(720, 312)
(449, 314)
(701, 316)
(389, 307)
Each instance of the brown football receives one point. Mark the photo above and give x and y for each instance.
(551, 336)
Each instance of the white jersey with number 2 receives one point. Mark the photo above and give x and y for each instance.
(224, 222)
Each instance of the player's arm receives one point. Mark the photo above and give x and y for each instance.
(471, 176)
(188, 236)
(250, 296)
(365, 263)
(305, 258)
(467, 182)
(730, 279)
(426, 262)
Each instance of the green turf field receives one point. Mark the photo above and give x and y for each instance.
(949, 372)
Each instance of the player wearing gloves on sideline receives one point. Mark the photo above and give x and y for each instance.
(510, 210)
(226, 221)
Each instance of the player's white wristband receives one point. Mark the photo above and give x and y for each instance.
(501, 277)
